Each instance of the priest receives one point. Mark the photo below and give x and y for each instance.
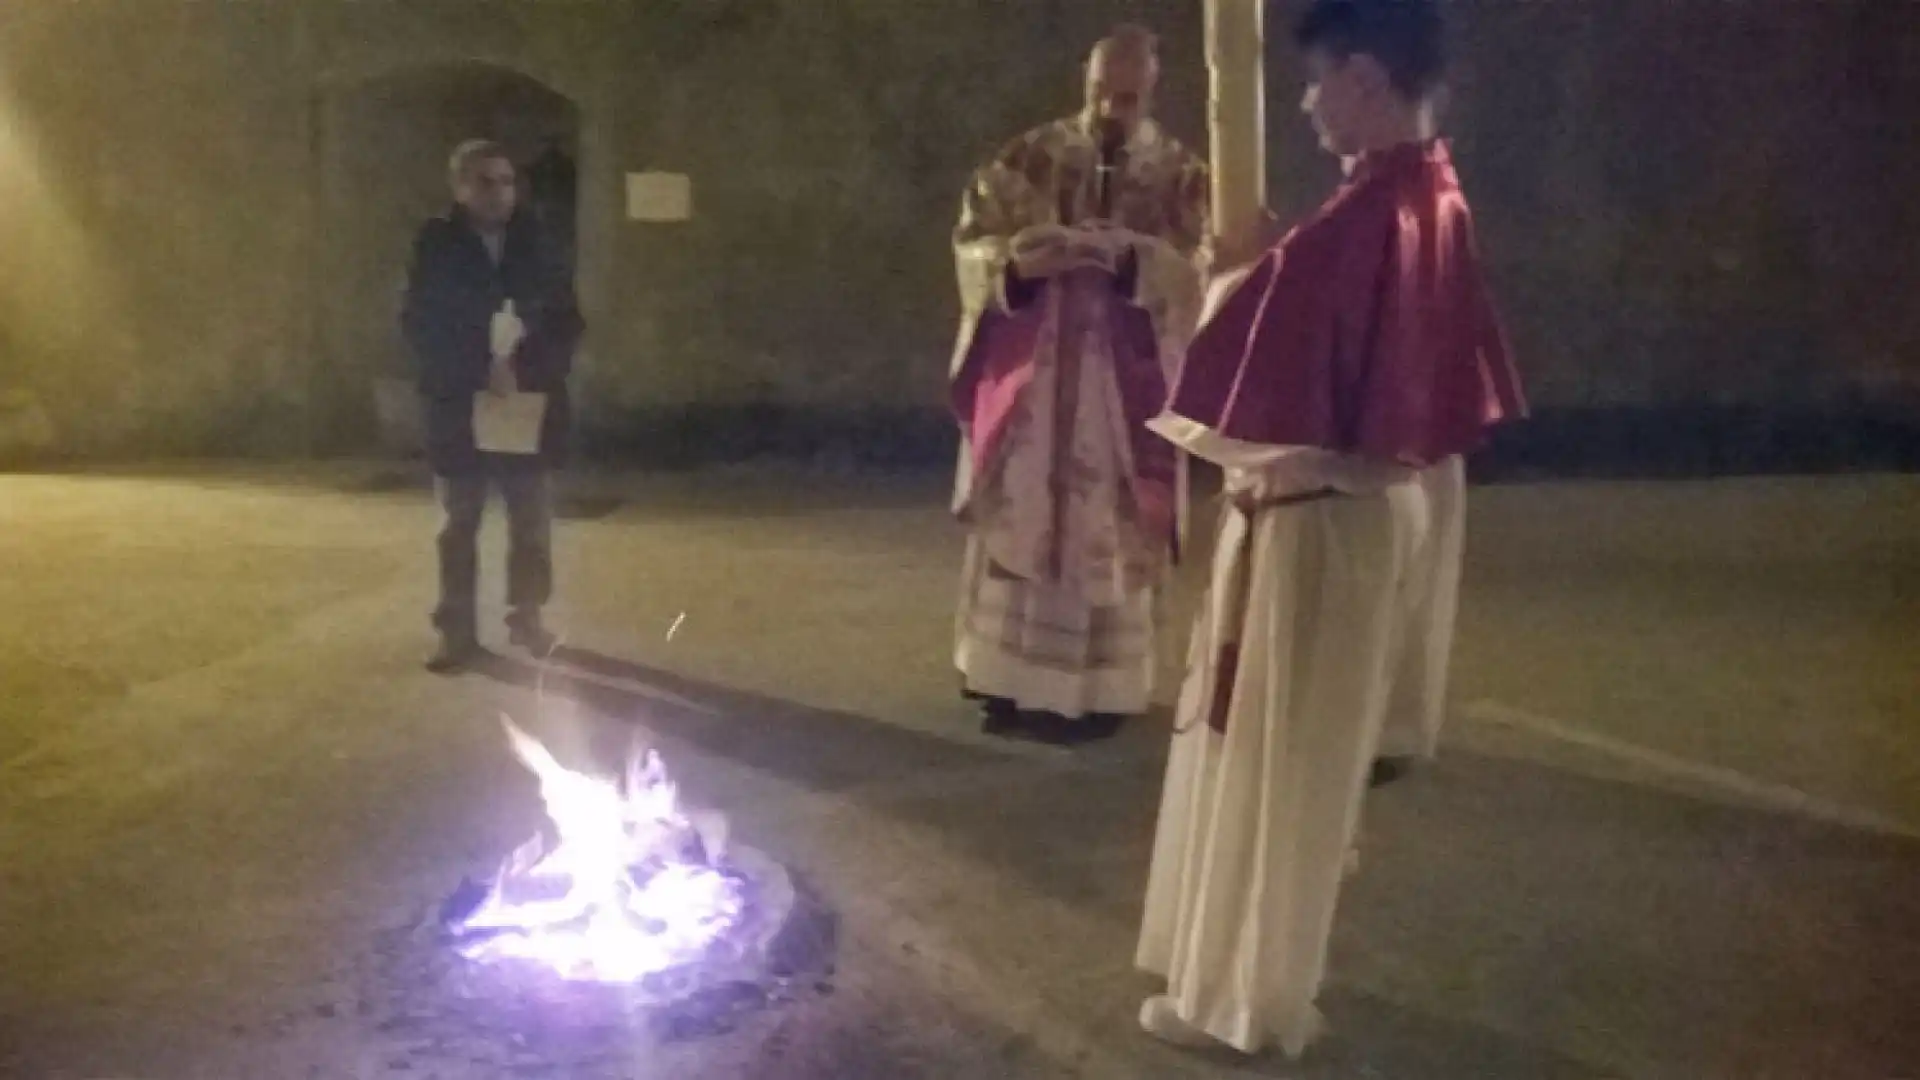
(1078, 251)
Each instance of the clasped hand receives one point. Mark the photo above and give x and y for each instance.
(1048, 252)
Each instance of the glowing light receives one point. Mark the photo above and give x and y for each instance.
(632, 885)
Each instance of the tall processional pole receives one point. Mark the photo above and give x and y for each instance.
(1237, 112)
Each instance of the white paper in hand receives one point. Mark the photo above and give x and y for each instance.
(508, 423)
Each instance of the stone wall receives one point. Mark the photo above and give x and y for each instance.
(151, 188)
(1688, 207)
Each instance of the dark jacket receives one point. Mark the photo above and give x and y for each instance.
(453, 290)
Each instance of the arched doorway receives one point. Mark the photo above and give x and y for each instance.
(382, 151)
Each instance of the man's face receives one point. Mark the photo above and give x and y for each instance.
(1338, 96)
(1120, 86)
(486, 189)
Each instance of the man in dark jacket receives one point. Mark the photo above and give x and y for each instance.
(478, 260)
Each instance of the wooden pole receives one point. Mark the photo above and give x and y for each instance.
(1237, 112)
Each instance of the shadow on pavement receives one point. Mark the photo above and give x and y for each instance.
(1373, 1038)
(821, 750)
(1552, 917)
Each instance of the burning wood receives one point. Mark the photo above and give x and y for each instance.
(631, 886)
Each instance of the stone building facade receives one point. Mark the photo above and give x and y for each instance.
(205, 204)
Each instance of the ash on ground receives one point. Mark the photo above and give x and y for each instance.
(438, 1007)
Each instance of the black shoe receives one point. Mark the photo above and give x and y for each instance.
(1388, 769)
(1052, 728)
(1003, 717)
(1091, 728)
(528, 634)
(999, 716)
(455, 655)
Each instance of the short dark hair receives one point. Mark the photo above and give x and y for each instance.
(1404, 36)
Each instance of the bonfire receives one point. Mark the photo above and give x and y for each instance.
(628, 884)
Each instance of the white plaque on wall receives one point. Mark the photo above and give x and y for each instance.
(659, 196)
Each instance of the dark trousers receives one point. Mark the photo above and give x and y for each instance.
(528, 494)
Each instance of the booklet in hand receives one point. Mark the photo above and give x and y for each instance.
(508, 423)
